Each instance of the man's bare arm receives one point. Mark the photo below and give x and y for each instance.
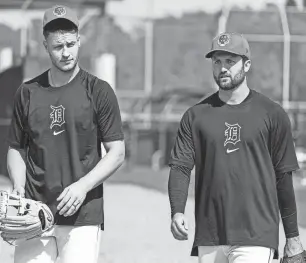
(74, 195)
(16, 169)
(114, 158)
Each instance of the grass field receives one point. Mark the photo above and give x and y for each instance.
(137, 221)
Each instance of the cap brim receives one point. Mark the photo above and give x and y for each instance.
(63, 18)
(210, 53)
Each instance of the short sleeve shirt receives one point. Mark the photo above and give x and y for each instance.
(60, 131)
(237, 151)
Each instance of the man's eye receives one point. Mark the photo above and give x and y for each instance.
(70, 44)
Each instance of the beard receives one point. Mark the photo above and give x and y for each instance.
(232, 82)
(66, 67)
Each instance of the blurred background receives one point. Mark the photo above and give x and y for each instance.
(152, 54)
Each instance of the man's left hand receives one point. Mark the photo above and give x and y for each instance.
(71, 199)
(293, 247)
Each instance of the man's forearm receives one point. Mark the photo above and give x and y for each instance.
(178, 185)
(16, 168)
(104, 169)
(287, 204)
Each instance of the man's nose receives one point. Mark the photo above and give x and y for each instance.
(65, 53)
(223, 69)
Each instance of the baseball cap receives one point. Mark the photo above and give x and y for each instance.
(230, 42)
(60, 11)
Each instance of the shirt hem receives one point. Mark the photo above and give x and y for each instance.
(84, 223)
(15, 146)
(194, 251)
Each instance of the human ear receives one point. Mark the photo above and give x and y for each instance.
(79, 40)
(45, 45)
(247, 65)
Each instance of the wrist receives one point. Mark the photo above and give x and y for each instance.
(85, 184)
(292, 235)
(19, 190)
(18, 186)
(177, 214)
(293, 246)
(177, 209)
(295, 239)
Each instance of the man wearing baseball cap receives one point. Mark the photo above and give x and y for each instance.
(60, 119)
(241, 146)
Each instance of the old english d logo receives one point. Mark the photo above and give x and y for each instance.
(59, 11)
(224, 39)
(232, 133)
(57, 116)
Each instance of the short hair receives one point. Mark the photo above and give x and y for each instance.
(60, 25)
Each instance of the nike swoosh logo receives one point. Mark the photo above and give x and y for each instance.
(230, 151)
(57, 133)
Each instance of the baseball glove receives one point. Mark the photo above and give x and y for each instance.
(300, 258)
(22, 218)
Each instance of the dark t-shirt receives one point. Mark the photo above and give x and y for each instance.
(60, 130)
(237, 151)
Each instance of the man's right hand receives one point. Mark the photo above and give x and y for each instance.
(18, 190)
(179, 227)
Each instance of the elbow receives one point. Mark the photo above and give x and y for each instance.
(116, 151)
(121, 158)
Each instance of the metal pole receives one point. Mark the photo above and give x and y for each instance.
(148, 74)
(286, 57)
(23, 41)
(223, 18)
(149, 57)
(26, 4)
(222, 25)
(24, 30)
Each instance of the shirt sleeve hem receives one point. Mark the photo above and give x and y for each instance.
(292, 235)
(287, 169)
(115, 137)
(181, 162)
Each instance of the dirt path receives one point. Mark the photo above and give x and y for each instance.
(137, 221)
(137, 229)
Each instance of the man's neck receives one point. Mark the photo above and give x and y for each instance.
(58, 78)
(235, 96)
